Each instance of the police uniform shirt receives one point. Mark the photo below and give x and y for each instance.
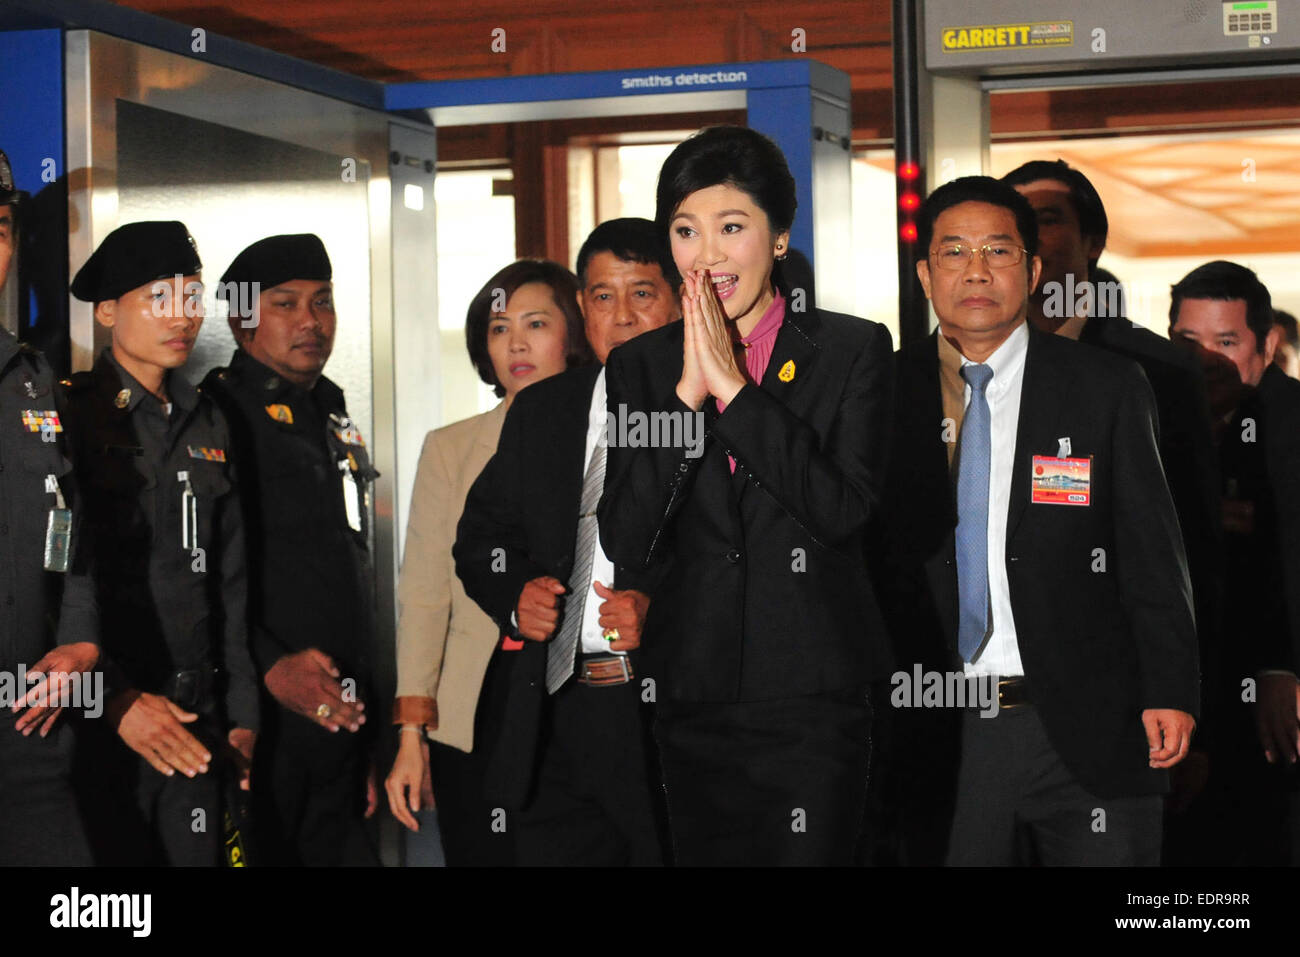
(168, 537)
(307, 479)
(31, 449)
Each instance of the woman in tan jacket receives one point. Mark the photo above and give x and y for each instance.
(521, 327)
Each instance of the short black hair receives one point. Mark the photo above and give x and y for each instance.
(1226, 281)
(1287, 321)
(631, 239)
(733, 156)
(1088, 206)
(976, 189)
(499, 289)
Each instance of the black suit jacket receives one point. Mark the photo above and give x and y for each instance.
(1260, 455)
(1098, 647)
(1188, 455)
(767, 595)
(520, 523)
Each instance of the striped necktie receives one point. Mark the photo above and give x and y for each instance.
(562, 651)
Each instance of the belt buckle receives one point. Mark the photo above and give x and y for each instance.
(1016, 704)
(185, 688)
(588, 678)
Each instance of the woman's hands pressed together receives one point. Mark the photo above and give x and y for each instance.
(709, 364)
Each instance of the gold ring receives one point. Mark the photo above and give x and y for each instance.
(611, 634)
(323, 711)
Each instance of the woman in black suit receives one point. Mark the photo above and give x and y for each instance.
(766, 631)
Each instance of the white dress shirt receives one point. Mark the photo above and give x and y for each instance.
(1001, 654)
(602, 569)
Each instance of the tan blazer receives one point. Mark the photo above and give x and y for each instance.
(444, 640)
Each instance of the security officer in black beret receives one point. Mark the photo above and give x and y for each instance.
(48, 620)
(152, 455)
(307, 501)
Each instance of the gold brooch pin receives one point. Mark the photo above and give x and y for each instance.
(787, 371)
(123, 399)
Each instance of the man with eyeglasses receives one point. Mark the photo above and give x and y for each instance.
(1030, 543)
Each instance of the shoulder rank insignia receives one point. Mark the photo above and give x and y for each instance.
(36, 421)
(208, 455)
(280, 412)
(787, 371)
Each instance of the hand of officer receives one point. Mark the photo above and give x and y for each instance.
(1169, 733)
(624, 610)
(55, 668)
(307, 682)
(151, 726)
(538, 608)
(408, 779)
(1275, 717)
(242, 741)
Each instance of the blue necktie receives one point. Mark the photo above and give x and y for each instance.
(974, 452)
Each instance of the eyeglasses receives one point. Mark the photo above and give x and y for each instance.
(996, 255)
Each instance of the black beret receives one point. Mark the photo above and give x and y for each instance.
(133, 255)
(8, 195)
(278, 259)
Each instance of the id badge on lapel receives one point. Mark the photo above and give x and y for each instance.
(58, 529)
(1057, 480)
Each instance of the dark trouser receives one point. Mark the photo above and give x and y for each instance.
(766, 782)
(913, 783)
(135, 816)
(465, 818)
(309, 795)
(39, 821)
(1018, 804)
(596, 795)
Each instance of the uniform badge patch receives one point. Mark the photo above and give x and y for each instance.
(280, 412)
(208, 455)
(36, 421)
(350, 435)
(346, 431)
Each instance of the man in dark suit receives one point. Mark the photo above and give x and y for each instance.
(573, 764)
(1055, 569)
(1225, 312)
(1074, 299)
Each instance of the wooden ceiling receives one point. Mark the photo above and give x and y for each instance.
(1161, 191)
(405, 40)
